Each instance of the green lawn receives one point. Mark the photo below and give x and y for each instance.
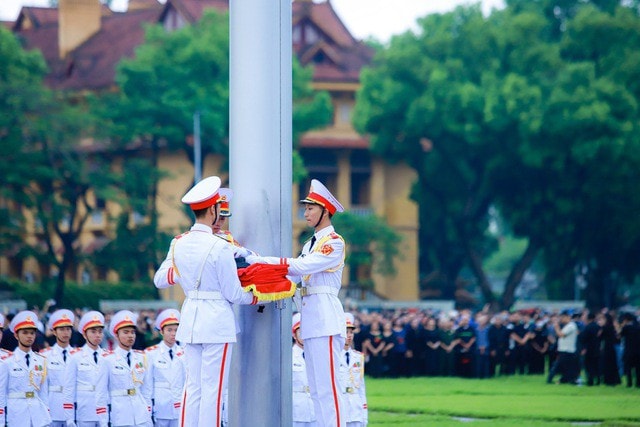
(520, 401)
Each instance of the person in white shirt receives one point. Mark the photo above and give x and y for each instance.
(322, 317)
(122, 380)
(81, 376)
(204, 266)
(61, 324)
(352, 380)
(167, 371)
(567, 359)
(23, 378)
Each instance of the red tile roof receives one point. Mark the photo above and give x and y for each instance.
(311, 141)
(192, 10)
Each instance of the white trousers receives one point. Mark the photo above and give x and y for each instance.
(207, 375)
(322, 358)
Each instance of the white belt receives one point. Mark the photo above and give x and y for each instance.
(205, 295)
(161, 384)
(314, 290)
(86, 387)
(22, 395)
(55, 388)
(126, 392)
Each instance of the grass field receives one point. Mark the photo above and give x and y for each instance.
(520, 401)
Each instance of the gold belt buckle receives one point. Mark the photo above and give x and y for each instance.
(350, 390)
(131, 392)
(30, 394)
(303, 291)
(306, 389)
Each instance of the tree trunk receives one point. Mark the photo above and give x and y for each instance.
(476, 265)
(517, 272)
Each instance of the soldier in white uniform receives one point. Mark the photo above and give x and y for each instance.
(167, 371)
(81, 376)
(23, 378)
(204, 267)
(61, 324)
(322, 316)
(352, 381)
(303, 412)
(122, 380)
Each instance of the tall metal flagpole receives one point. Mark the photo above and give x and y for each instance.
(260, 153)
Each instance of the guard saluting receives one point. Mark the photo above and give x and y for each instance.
(80, 402)
(61, 323)
(23, 378)
(204, 267)
(122, 381)
(167, 371)
(322, 324)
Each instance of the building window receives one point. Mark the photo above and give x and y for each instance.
(296, 34)
(310, 34)
(343, 113)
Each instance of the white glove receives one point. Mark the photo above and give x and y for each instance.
(252, 258)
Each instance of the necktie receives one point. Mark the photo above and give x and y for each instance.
(171, 354)
(313, 242)
(26, 359)
(64, 355)
(95, 357)
(347, 356)
(129, 359)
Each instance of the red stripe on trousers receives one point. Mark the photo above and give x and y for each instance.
(219, 406)
(184, 406)
(333, 381)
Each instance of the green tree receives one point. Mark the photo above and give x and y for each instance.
(522, 113)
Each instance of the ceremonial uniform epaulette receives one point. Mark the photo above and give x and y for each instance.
(40, 354)
(334, 235)
(75, 350)
(153, 347)
(45, 350)
(180, 353)
(139, 351)
(6, 355)
(108, 353)
(180, 235)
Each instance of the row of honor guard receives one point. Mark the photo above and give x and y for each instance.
(90, 386)
(350, 379)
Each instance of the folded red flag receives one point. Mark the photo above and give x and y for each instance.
(268, 282)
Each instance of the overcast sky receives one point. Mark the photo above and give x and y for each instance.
(364, 18)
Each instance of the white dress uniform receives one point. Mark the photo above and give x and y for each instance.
(81, 376)
(322, 317)
(56, 367)
(23, 382)
(353, 389)
(303, 412)
(205, 268)
(167, 374)
(123, 383)
(57, 358)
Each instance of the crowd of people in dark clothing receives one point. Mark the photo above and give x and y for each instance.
(604, 346)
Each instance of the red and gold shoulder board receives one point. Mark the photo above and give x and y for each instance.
(181, 235)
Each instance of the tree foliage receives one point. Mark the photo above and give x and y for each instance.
(530, 110)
